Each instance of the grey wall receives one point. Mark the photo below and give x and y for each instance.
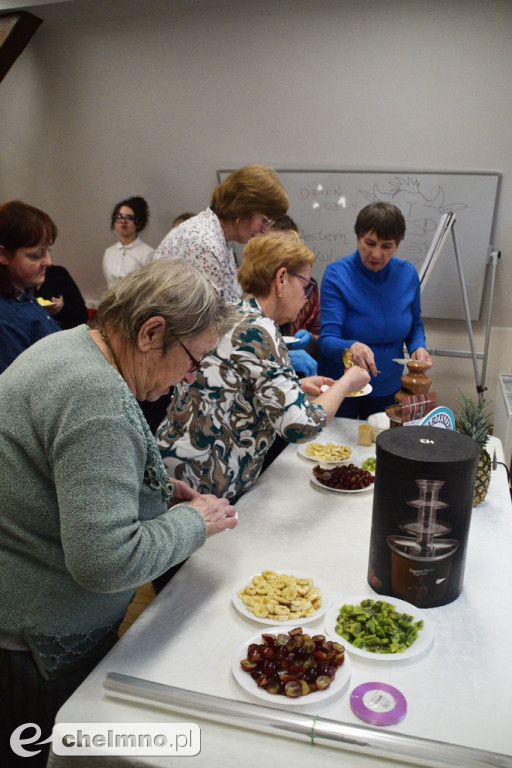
(155, 104)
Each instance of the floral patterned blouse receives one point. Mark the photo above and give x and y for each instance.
(219, 428)
(200, 241)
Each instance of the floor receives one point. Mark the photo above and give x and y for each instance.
(140, 602)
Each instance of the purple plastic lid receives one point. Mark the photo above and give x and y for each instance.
(378, 703)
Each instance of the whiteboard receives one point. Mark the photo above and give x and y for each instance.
(324, 204)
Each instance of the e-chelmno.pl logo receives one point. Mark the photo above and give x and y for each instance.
(97, 739)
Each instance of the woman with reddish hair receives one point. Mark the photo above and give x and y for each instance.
(26, 237)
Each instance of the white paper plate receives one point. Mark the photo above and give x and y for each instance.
(341, 490)
(402, 360)
(422, 642)
(301, 450)
(245, 680)
(326, 600)
(290, 339)
(365, 391)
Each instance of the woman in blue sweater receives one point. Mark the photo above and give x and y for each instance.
(370, 304)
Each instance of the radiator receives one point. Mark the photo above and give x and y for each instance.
(503, 414)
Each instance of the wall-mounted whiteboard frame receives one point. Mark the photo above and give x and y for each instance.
(325, 203)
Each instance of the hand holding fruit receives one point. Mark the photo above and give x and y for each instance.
(57, 305)
(362, 356)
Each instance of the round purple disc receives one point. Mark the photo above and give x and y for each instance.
(378, 703)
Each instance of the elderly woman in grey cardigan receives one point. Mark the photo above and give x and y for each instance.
(87, 511)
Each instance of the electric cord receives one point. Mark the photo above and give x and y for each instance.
(506, 469)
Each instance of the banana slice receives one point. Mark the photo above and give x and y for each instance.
(289, 593)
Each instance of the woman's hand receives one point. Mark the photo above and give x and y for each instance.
(218, 514)
(355, 378)
(58, 305)
(363, 357)
(182, 492)
(312, 385)
(421, 354)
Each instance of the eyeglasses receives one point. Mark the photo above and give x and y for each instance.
(310, 283)
(125, 217)
(196, 364)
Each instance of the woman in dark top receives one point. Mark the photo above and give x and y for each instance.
(69, 306)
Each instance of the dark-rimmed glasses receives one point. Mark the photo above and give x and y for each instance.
(196, 364)
(124, 217)
(310, 283)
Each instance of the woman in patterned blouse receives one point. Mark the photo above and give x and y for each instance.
(245, 204)
(219, 428)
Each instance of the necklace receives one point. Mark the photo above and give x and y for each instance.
(113, 354)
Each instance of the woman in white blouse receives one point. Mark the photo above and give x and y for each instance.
(129, 217)
(242, 206)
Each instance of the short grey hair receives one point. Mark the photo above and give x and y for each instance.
(168, 288)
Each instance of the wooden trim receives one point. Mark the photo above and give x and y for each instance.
(16, 31)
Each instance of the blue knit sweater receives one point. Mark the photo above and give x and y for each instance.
(381, 309)
(83, 501)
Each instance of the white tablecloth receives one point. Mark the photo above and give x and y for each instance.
(459, 692)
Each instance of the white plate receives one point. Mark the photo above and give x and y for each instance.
(402, 360)
(341, 490)
(422, 642)
(364, 391)
(248, 684)
(326, 600)
(290, 339)
(301, 449)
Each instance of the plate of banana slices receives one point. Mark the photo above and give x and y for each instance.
(281, 597)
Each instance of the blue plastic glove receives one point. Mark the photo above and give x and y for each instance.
(303, 363)
(304, 339)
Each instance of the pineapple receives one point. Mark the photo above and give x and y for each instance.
(474, 420)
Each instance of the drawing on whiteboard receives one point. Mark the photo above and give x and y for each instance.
(421, 207)
(325, 204)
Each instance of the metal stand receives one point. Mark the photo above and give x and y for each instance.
(449, 225)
